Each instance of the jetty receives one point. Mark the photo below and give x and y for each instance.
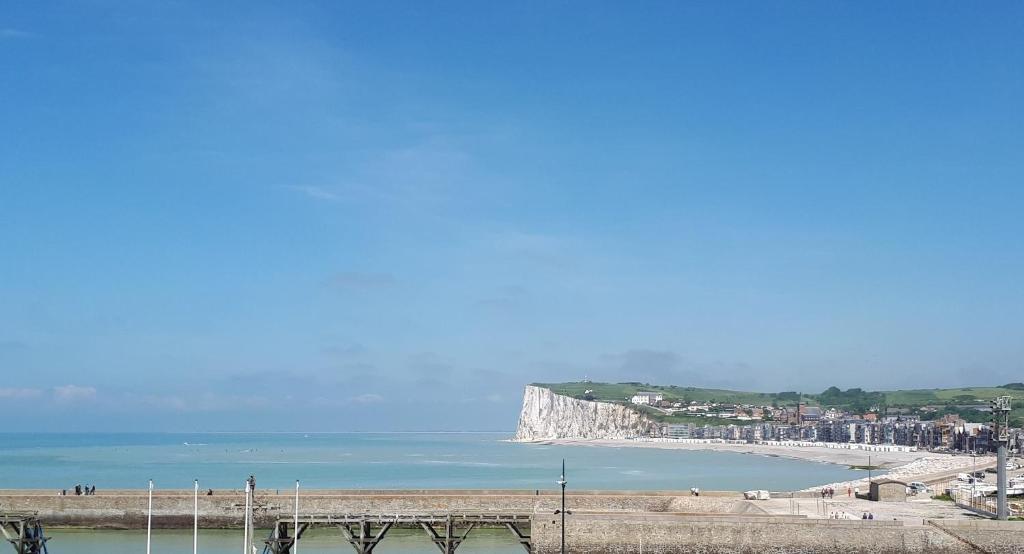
(24, 531)
(365, 531)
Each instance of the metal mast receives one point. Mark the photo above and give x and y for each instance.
(1001, 422)
(562, 482)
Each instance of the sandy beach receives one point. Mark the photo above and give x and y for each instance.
(904, 466)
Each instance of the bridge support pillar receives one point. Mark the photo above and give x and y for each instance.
(362, 537)
(24, 533)
(524, 539)
(451, 540)
(280, 542)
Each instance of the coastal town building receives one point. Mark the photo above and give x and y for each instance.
(947, 434)
(647, 398)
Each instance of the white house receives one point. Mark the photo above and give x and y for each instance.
(647, 398)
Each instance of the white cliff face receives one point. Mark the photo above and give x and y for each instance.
(546, 415)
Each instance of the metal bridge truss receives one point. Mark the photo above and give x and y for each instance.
(364, 532)
(24, 532)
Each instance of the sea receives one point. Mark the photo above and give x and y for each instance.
(363, 461)
(381, 461)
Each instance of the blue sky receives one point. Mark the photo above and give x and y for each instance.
(342, 216)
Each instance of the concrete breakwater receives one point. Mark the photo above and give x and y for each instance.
(617, 522)
(126, 509)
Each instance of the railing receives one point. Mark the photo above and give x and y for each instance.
(979, 498)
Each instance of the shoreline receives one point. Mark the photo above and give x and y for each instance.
(903, 466)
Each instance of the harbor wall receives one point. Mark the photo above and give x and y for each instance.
(679, 534)
(600, 523)
(128, 509)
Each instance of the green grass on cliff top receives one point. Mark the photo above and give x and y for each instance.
(621, 392)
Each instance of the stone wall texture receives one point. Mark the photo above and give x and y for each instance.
(546, 415)
(666, 534)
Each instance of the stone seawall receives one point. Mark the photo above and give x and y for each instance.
(127, 509)
(601, 522)
(546, 415)
(672, 534)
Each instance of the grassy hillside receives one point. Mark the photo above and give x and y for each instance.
(614, 392)
(856, 400)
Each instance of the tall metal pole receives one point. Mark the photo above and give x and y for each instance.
(562, 482)
(295, 541)
(195, 518)
(245, 533)
(149, 519)
(869, 473)
(974, 476)
(1001, 418)
(1002, 511)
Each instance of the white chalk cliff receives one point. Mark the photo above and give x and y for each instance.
(546, 415)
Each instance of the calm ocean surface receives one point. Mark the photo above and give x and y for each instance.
(380, 461)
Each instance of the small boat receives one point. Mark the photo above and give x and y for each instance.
(1015, 487)
(974, 490)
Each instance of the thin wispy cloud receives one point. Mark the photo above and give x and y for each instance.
(315, 192)
(205, 402)
(9, 33)
(423, 178)
(73, 393)
(669, 367)
(367, 398)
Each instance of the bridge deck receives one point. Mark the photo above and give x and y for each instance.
(478, 519)
(24, 532)
(365, 531)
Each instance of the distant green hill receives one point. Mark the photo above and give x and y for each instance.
(946, 401)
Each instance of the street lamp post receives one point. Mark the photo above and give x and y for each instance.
(562, 482)
(974, 475)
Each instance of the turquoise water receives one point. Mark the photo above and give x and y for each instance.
(318, 541)
(381, 461)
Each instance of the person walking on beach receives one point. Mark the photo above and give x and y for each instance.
(849, 491)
